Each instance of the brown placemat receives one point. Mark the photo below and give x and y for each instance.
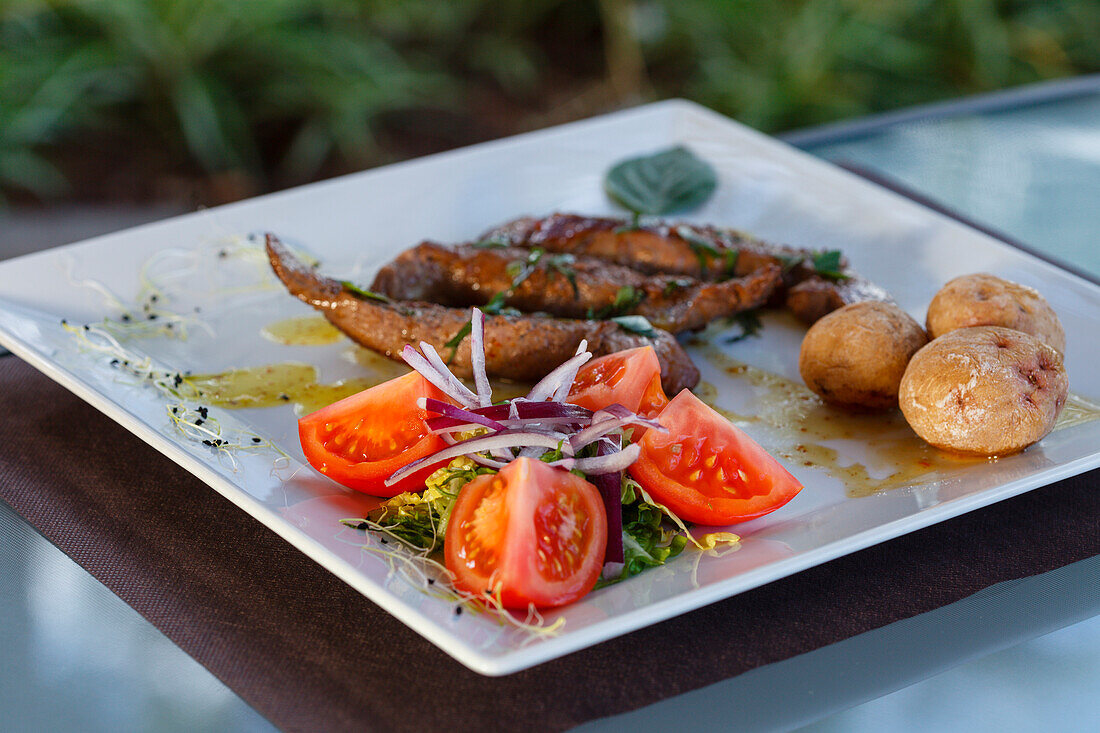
(310, 653)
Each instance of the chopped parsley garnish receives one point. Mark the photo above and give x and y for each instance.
(563, 265)
(636, 324)
(490, 244)
(750, 324)
(520, 270)
(627, 299)
(827, 264)
(363, 292)
(707, 252)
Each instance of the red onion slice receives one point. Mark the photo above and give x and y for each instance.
(601, 427)
(466, 397)
(610, 486)
(445, 382)
(477, 358)
(567, 383)
(496, 441)
(549, 412)
(456, 413)
(488, 462)
(563, 375)
(618, 461)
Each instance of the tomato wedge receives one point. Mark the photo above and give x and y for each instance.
(707, 470)
(534, 533)
(362, 440)
(631, 378)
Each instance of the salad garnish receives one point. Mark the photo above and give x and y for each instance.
(535, 500)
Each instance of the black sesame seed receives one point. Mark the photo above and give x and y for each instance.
(458, 610)
(126, 317)
(431, 581)
(153, 298)
(152, 316)
(284, 397)
(114, 362)
(384, 541)
(204, 412)
(198, 422)
(207, 442)
(256, 440)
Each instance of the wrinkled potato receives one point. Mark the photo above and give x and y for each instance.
(855, 356)
(986, 390)
(987, 300)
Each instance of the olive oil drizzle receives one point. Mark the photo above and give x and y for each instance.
(302, 331)
(272, 385)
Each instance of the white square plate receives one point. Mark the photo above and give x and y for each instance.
(356, 223)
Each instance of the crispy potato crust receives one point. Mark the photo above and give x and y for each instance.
(855, 356)
(985, 390)
(986, 300)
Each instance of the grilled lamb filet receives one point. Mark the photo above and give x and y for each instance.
(703, 252)
(523, 348)
(568, 286)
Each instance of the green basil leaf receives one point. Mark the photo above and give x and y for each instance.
(667, 182)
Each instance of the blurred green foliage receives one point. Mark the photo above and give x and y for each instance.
(278, 89)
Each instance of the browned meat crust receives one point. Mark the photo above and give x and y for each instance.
(577, 288)
(697, 251)
(816, 297)
(523, 348)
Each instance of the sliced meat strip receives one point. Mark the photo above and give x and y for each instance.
(524, 348)
(703, 252)
(568, 286)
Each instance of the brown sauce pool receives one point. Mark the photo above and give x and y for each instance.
(799, 427)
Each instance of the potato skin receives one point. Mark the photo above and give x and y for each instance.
(985, 390)
(855, 356)
(986, 300)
